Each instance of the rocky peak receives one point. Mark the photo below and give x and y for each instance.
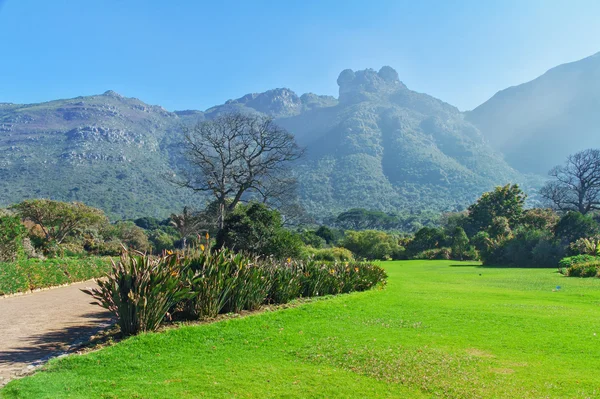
(277, 102)
(112, 93)
(363, 85)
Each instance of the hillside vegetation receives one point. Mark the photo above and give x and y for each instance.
(379, 146)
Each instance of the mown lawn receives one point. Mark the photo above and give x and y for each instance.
(439, 329)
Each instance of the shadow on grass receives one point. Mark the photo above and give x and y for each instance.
(504, 267)
(39, 348)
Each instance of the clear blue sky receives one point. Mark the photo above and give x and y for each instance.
(191, 54)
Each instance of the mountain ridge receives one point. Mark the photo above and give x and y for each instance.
(538, 123)
(379, 145)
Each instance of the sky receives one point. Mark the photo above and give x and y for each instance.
(193, 54)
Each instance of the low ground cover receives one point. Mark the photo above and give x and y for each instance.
(439, 329)
(30, 274)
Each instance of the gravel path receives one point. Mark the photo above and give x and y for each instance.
(38, 326)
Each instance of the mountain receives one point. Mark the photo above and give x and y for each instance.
(537, 124)
(106, 150)
(378, 146)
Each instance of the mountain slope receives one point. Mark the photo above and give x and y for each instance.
(386, 147)
(379, 146)
(108, 151)
(537, 124)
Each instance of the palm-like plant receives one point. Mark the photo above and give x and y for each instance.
(187, 224)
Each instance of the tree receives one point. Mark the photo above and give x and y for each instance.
(12, 233)
(460, 243)
(186, 224)
(576, 184)
(574, 225)
(426, 238)
(239, 155)
(130, 235)
(257, 229)
(506, 201)
(58, 219)
(372, 244)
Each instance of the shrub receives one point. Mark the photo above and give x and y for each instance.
(335, 254)
(577, 259)
(436, 253)
(254, 228)
(12, 233)
(425, 239)
(525, 248)
(588, 246)
(573, 226)
(372, 244)
(587, 269)
(140, 291)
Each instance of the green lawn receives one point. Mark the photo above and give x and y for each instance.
(439, 329)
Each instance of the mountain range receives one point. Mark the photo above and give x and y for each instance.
(379, 145)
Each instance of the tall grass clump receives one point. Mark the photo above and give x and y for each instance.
(140, 290)
(199, 283)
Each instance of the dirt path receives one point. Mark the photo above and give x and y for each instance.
(38, 326)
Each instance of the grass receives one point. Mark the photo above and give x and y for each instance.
(32, 274)
(439, 329)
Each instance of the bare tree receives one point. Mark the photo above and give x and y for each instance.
(576, 184)
(236, 156)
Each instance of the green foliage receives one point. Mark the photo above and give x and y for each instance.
(459, 243)
(525, 248)
(335, 254)
(506, 201)
(573, 226)
(577, 259)
(331, 236)
(435, 253)
(59, 220)
(372, 244)
(425, 239)
(30, 274)
(257, 229)
(211, 276)
(540, 219)
(130, 235)
(161, 241)
(12, 233)
(311, 239)
(200, 283)
(140, 290)
(586, 269)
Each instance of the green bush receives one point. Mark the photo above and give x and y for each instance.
(573, 226)
(140, 290)
(335, 254)
(525, 248)
(256, 229)
(577, 259)
(12, 233)
(373, 244)
(31, 274)
(436, 253)
(587, 269)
